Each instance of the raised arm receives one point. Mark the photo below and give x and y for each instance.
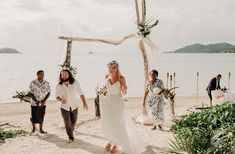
(123, 85)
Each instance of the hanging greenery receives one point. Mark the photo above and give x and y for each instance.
(72, 69)
(144, 27)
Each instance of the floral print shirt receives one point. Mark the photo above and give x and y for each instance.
(39, 90)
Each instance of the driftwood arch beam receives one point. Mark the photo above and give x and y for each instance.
(69, 41)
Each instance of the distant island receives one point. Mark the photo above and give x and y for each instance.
(210, 48)
(8, 50)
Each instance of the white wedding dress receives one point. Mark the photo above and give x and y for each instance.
(116, 124)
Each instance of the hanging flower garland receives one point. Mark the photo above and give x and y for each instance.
(72, 69)
(144, 27)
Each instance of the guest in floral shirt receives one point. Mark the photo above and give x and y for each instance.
(155, 99)
(39, 90)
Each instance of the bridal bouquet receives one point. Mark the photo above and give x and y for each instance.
(101, 90)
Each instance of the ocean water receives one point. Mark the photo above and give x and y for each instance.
(18, 70)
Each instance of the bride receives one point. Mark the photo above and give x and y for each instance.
(116, 125)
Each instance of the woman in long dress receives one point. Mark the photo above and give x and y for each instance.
(155, 100)
(116, 125)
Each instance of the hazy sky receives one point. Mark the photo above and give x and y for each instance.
(34, 25)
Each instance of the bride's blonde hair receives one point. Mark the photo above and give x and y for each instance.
(114, 62)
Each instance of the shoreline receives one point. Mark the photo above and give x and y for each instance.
(90, 98)
(132, 103)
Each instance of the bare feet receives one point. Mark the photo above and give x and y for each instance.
(42, 132)
(69, 141)
(154, 127)
(160, 127)
(114, 149)
(32, 132)
(210, 104)
(107, 147)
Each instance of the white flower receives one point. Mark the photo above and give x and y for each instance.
(156, 91)
(101, 89)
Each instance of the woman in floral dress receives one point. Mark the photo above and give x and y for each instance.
(155, 100)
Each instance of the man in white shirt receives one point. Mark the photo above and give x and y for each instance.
(68, 91)
(39, 91)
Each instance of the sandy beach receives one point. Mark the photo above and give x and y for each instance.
(70, 49)
(89, 139)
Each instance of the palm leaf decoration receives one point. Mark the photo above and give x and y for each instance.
(190, 142)
(169, 94)
(22, 95)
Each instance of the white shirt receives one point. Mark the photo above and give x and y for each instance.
(39, 90)
(217, 84)
(70, 93)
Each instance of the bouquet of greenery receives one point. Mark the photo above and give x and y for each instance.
(22, 95)
(145, 27)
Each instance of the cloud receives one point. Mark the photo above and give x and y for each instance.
(29, 5)
(186, 22)
(182, 22)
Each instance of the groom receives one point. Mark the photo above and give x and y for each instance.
(67, 92)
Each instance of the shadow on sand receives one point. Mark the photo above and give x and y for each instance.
(89, 147)
(77, 144)
(154, 150)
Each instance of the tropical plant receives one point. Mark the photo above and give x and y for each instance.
(213, 118)
(192, 141)
(4, 134)
(223, 140)
(211, 131)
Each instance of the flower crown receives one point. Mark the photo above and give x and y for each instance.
(113, 62)
(72, 69)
